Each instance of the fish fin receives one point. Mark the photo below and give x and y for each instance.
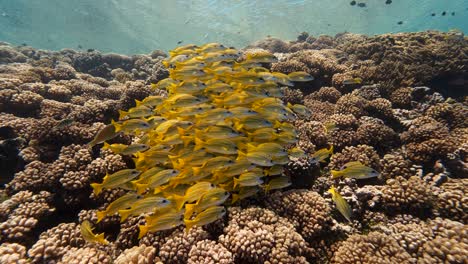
(289, 105)
(235, 198)
(166, 63)
(238, 126)
(331, 149)
(117, 126)
(122, 114)
(179, 201)
(140, 187)
(251, 147)
(106, 146)
(100, 215)
(101, 239)
(138, 102)
(186, 140)
(143, 230)
(188, 225)
(97, 188)
(189, 209)
(240, 155)
(236, 182)
(198, 144)
(124, 214)
(197, 170)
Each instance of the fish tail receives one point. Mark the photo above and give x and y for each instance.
(235, 198)
(236, 182)
(122, 114)
(100, 215)
(138, 102)
(238, 126)
(189, 209)
(240, 155)
(188, 225)
(179, 201)
(117, 126)
(124, 214)
(196, 170)
(101, 239)
(143, 230)
(97, 188)
(140, 187)
(331, 150)
(106, 146)
(198, 144)
(289, 105)
(165, 63)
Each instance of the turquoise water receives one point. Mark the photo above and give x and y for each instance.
(140, 26)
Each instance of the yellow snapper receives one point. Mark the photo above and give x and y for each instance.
(161, 222)
(212, 197)
(355, 170)
(89, 236)
(131, 125)
(123, 149)
(297, 153)
(122, 202)
(301, 110)
(107, 133)
(218, 88)
(192, 87)
(150, 101)
(341, 204)
(156, 180)
(251, 123)
(213, 164)
(220, 132)
(205, 217)
(136, 112)
(115, 180)
(300, 76)
(352, 81)
(211, 47)
(144, 205)
(321, 154)
(258, 158)
(163, 84)
(261, 57)
(277, 183)
(245, 192)
(220, 146)
(250, 178)
(193, 193)
(237, 168)
(274, 170)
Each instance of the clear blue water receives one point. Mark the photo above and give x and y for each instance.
(140, 26)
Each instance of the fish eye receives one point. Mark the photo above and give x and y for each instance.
(165, 201)
(213, 107)
(252, 164)
(226, 193)
(374, 171)
(230, 161)
(222, 46)
(211, 185)
(174, 171)
(199, 108)
(203, 83)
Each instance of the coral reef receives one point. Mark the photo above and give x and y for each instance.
(386, 101)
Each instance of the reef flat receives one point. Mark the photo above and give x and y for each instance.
(396, 102)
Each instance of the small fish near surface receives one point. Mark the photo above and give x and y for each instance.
(355, 170)
(341, 204)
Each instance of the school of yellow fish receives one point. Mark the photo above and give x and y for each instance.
(223, 134)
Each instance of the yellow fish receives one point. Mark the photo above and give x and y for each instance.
(213, 164)
(218, 88)
(205, 217)
(245, 192)
(211, 47)
(164, 83)
(144, 205)
(263, 134)
(239, 166)
(352, 81)
(177, 50)
(213, 116)
(251, 123)
(301, 110)
(242, 112)
(123, 202)
(300, 76)
(220, 132)
(156, 180)
(261, 57)
(161, 222)
(269, 147)
(193, 193)
(297, 153)
(150, 101)
(277, 183)
(123, 149)
(115, 180)
(258, 158)
(221, 146)
(88, 235)
(250, 178)
(131, 125)
(212, 197)
(136, 112)
(107, 133)
(192, 87)
(274, 170)
(341, 203)
(355, 170)
(147, 174)
(321, 155)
